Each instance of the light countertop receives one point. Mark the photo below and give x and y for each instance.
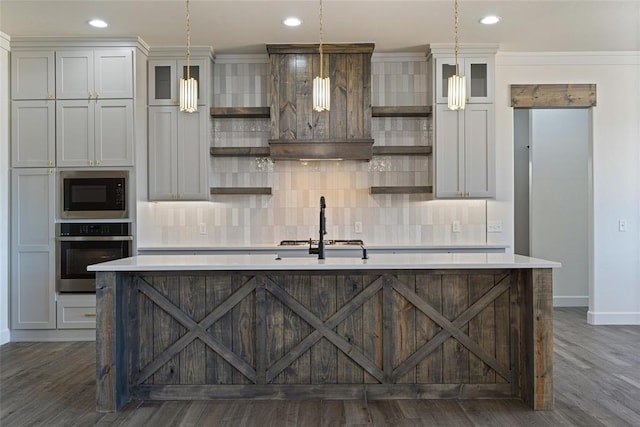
(271, 262)
(277, 248)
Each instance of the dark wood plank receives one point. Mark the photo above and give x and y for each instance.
(324, 353)
(429, 288)
(243, 330)
(503, 331)
(388, 332)
(287, 103)
(455, 358)
(402, 111)
(274, 90)
(166, 330)
(355, 89)
(240, 112)
(262, 353)
(347, 287)
(404, 328)
(145, 332)
(366, 94)
(553, 96)
(299, 371)
(193, 357)
(402, 190)
(230, 191)
(218, 290)
(323, 149)
(482, 330)
(106, 369)
(329, 48)
(303, 93)
(339, 100)
(275, 328)
(372, 330)
(239, 151)
(403, 150)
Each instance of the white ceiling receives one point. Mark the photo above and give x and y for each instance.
(244, 26)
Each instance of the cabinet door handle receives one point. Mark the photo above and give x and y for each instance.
(50, 162)
(90, 162)
(90, 95)
(49, 95)
(97, 162)
(50, 171)
(90, 314)
(97, 95)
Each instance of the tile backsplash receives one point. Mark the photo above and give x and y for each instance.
(291, 212)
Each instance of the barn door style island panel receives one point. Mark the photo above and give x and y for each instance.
(426, 326)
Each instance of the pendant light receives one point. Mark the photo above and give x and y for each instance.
(188, 86)
(456, 90)
(321, 86)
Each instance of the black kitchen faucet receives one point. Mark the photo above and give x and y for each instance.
(323, 230)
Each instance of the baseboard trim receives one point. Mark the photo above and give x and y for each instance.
(615, 318)
(5, 336)
(571, 301)
(19, 335)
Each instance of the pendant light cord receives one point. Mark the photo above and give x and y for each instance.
(321, 39)
(188, 42)
(455, 33)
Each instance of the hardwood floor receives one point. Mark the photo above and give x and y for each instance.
(597, 383)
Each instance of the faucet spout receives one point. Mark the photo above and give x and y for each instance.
(323, 228)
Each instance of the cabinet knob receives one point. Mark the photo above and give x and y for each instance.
(97, 162)
(89, 95)
(174, 102)
(49, 95)
(50, 171)
(50, 163)
(90, 162)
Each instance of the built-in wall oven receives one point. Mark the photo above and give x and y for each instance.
(81, 244)
(93, 194)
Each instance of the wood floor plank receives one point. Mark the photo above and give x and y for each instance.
(597, 383)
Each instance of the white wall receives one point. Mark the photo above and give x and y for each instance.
(615, 276)
(4, 188)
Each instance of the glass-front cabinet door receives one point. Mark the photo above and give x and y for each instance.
(164, 80)
(479, 78)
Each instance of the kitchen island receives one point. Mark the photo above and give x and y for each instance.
(452, 326)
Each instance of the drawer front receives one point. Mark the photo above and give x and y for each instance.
(76, 317)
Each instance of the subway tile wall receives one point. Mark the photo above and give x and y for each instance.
(291, 212)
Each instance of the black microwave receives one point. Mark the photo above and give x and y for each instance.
(93, 194)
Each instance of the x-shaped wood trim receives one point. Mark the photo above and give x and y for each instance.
(450, 329)
(324, 329)
(196, 330)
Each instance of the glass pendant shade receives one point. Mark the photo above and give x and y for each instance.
(321, 88)
(456, 92)
(189, 95)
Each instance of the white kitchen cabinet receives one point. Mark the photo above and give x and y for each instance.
(33, 74)
(33, 133)
(465, 152)
(33, 304)
(164, 80)
(479, 73)
(178, 154)
(94, 74)
(76, 311)
(94, 132)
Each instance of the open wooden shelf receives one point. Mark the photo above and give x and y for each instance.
(240, 112)
(402, 111)
(402, 190)
(403, 150)
(227, 191)
(240, 151)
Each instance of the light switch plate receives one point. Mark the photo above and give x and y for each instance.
(455, 226)
(622, 225)
(494, 227)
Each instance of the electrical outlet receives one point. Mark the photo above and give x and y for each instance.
(358, 227)
(622, 225)
(494, 227)
(203, 228)
(455, 226)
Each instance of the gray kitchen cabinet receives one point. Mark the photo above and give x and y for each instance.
(33, 304)
(94, 73)
(164, 80)
(33, 133)
(94, 132)
(33, 74)
(76, 311)
(465, 152)
(178, 154)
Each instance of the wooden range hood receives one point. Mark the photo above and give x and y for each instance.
(300, 133)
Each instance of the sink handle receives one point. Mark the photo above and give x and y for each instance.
(364, 252)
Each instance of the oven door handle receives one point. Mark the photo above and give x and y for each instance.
(95, 239)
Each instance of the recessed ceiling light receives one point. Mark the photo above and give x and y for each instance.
(292, 22)
(490, 20)
(98, 23)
